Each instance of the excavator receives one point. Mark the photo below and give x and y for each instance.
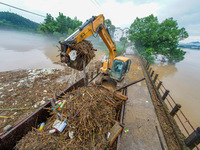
(115, 68)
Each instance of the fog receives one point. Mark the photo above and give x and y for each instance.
(21, 50)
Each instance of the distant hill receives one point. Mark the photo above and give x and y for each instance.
(13, 21)
(195, 45)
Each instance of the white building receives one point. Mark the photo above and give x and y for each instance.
(120, 33)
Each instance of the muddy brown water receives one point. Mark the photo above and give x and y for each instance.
(26, 51)
(29, 51)
(183, 81)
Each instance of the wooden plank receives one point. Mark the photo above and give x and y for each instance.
(119, 95)
(114, 132)
(109, 102)
(116, 94)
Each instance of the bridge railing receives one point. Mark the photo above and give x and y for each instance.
(193, 136)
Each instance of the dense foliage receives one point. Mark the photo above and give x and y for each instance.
(13, 21)
(61, 25)
(152, 38)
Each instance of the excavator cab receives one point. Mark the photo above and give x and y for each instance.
(120, 68)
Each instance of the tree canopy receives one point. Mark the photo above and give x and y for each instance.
(59, 25)
(13, 21)
(152, 38)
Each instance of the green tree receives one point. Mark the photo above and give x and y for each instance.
(152, 38)
(13, 21)
(62, 25)
(110, 27)
(49, 25)
(124, 41)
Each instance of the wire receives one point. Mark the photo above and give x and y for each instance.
(22, 9)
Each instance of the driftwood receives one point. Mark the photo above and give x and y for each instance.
(116, 94)
(86, 114)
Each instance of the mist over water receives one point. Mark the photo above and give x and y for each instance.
(26, 51)
(183, 81)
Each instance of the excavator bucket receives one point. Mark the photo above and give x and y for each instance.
(75, 54)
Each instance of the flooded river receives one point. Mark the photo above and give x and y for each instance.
(29, 51)
(26, 51)
(183, 81)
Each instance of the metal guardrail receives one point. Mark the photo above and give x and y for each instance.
(193, 138)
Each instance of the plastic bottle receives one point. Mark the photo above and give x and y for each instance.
(53, 130)
(59, 103)
(41, 126)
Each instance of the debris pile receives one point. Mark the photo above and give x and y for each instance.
(80, 120)
(22, 92)
(85, 52)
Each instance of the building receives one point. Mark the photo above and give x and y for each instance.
(120, 33)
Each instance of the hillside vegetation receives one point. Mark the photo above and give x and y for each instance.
(13, 21)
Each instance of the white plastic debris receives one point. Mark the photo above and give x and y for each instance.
(52, 131)
(71, 134)
(59, 125)
(56, 123)
(41, 102)
(108, 135)
(45, 91)
(7, 128)
(10, 90)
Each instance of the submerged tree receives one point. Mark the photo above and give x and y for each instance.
(152, 38)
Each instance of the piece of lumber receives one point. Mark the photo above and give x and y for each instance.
(119, 95)
(116, 94)
(109, 102)
(129, 84)
(114, 132)
(107, 88)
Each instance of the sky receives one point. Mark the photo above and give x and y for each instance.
(121, 12)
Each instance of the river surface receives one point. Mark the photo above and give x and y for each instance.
(183, 81)
(29, 51)
(26, 51)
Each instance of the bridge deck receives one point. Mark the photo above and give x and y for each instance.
(140, 118)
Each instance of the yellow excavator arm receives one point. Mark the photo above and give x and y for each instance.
(93, 25)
